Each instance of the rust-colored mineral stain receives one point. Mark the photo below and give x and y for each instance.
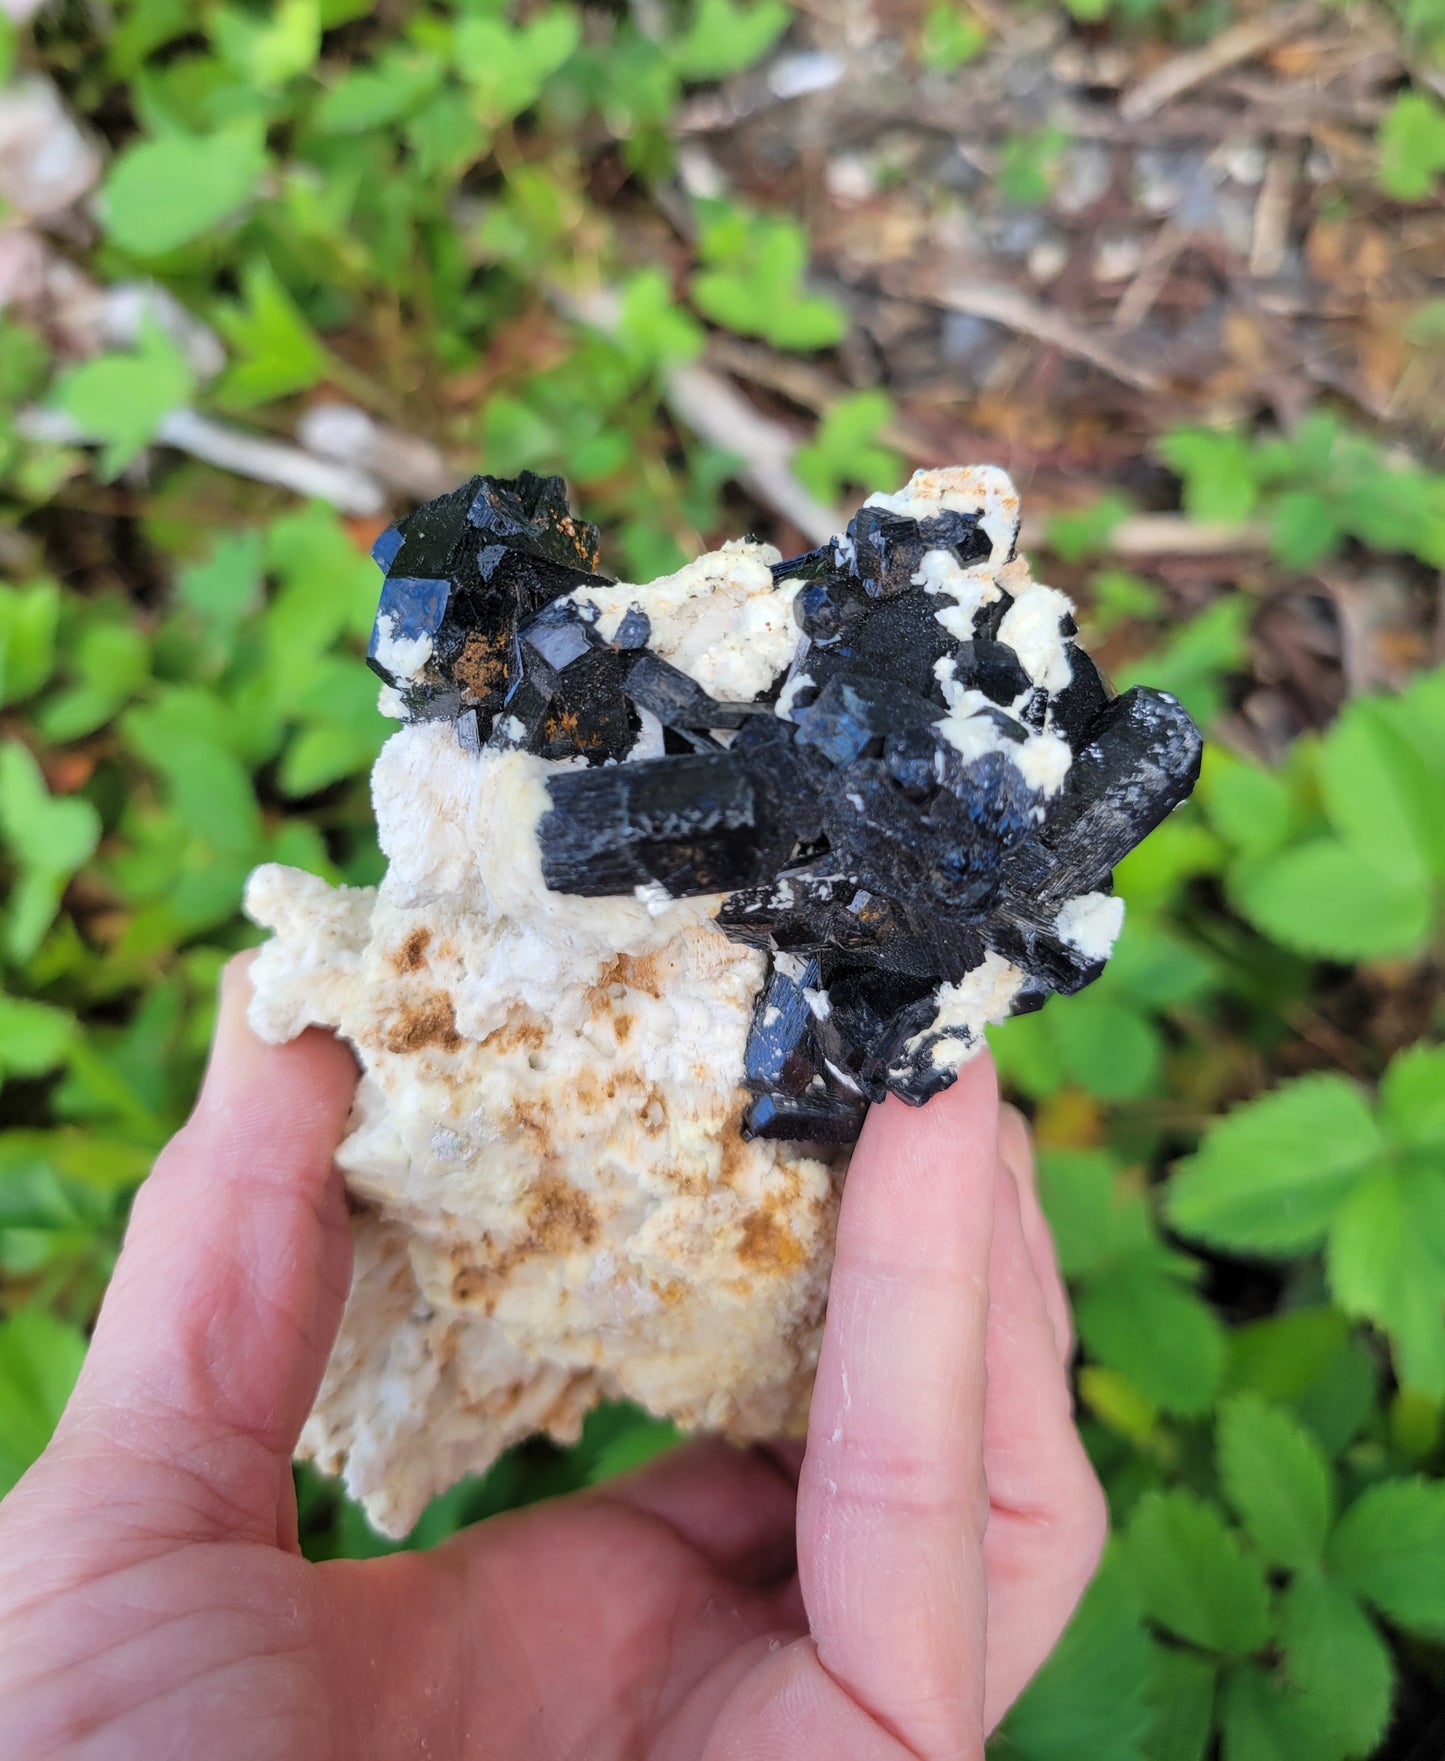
(516, 1036)
(482, 665)
(561, 1216)
(637, 972)
(468, 1282)
(411, 955)
(768, 1245)
(431, 1022)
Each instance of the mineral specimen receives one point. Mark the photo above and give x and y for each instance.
(680, 877)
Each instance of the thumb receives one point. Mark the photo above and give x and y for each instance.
(226, 1298)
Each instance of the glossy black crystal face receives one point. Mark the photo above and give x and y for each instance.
(916, 822)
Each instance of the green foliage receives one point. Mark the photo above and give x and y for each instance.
(274, 350)
(161, 194)
(1390, 1549)
(1315, 488)
(1028, 164)
(45, 841)
(845, 449)
(1135, 1309)
(121, 400)
(753, 280)
(951, 36)
(1365, 878)
(1088, 1699)
(40, 1358)
(1087, 532)
(724, 37)
(1412, 147)
(28, 620)
(1277, 1478)
(1314, 1164)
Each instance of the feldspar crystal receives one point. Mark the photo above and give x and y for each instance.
(680, 877)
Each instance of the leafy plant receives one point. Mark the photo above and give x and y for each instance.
(1314, 1165)
(1344, 858)
(753, 279)
(1412, 147)
(951, 36)
(845, 449)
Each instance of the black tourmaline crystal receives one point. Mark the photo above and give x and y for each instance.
(875, 851)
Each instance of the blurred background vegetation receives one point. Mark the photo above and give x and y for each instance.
(270, 272)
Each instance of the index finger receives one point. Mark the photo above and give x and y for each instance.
(892, 1501)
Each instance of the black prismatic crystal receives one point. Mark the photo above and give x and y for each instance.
(875, 848)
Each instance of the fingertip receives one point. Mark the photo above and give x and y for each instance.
(313, 1074)
(965, 1111)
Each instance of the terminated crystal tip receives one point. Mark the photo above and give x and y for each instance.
(889, 757)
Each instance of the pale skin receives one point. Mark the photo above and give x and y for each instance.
(885, 1596)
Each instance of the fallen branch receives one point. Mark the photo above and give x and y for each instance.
(1241, 42)
(232, 449)
(1021, 313)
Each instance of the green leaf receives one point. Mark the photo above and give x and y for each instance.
(1412, 1098)
(1218, 471)
(1379, 792)
(1338, 1661)
(1252, 808)
(506, 65)
(1390, 1548)
(278, 351)
(1272, 1174)
(652, 327)
(1086, 1703)
(1192, 1576)
(209, 786)
(272, 51)
(122, 399)
(34, 1037)
(1098, 1215)
(1412, 147)
(753, 282)
(641, 1441)
(49, 840)
(1311, 1360)
(161, 194)
(1385, 1268)
(1107, 1047)
(1303, 529)
(845, 449)
(1195, 660)
(1335, 901)
(1160, 1335)
(367, 98)
(1028, 164)
(1086, 532)
(1180, 1694)
(327, 751)
(1262, 1719)
(725, 37)
(1278, 1480)
(109, 665)
(40, 1357)
(28, 619)
(951, 36)
(224, 587)
(1118, 596)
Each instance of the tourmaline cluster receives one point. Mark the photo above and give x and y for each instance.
(913, 804)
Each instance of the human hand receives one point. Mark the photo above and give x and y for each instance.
(888, 1602)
